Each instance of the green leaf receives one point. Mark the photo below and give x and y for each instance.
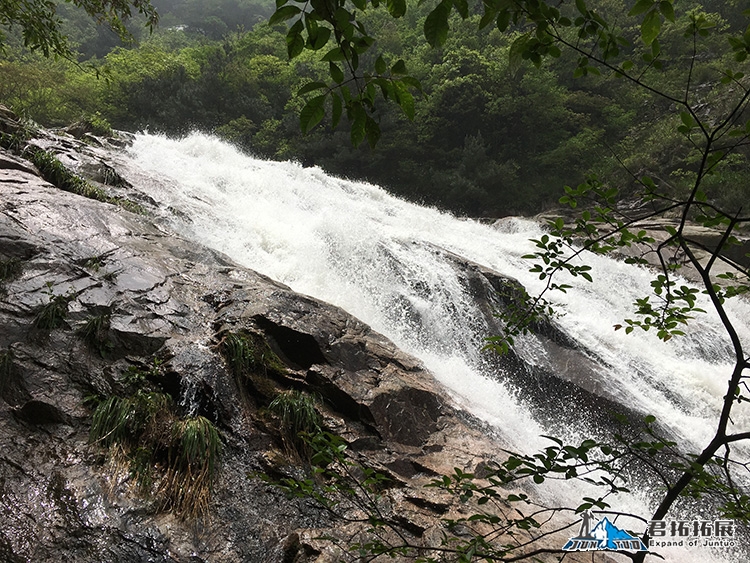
(399, 67)
(667, 10)
(336, 110)
(335, 54)
(358, 125)
(361, 4)
(436, 24)
(581, 5)
(405, 100)
(489, 16)
(462, 7)
(517, 49)
(413, 82)
(503, 20)
(310, 87)
(320, 39)
(336, 73)
(380, 66)
(641, 7)
(650, 27)
(312, 113)
(294, 44)
(372, 130)
(396, 8)
(282, 14)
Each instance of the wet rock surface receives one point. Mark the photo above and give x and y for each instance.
(163, 306)
(166, 301)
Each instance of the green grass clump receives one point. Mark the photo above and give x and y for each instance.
(97, 125)
(16, 140)
(6, 369)
(10, 269)
(298, 420)
(249, 354)
(122, 422)
(52, 314)
(58, 175)
(251, 361)
(178, 456)
(193, 457)
(95, 333)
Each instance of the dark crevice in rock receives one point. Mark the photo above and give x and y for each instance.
(297, 349)
(436, 507)
(339, 400)
(40, 413)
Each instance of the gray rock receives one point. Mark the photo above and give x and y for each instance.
(167, 298)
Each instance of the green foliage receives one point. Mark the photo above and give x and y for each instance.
(57, 174)
(51, 315)
(41, 27)
(7, 369)
(193, 458)
(177, 456)
(95, 124)
(248, 353)
(95, 332)
(16, 140)
(252, 361)
(493, 510)
(298, 421)
(10, 269)
(704, 139)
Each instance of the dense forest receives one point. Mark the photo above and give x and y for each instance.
(489, 138)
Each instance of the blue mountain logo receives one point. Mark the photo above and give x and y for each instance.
(603, 536)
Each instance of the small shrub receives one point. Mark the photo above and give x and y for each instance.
(97, 125)
(298, 419)
(16, 141)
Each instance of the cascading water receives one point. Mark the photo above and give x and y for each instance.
(388, 263)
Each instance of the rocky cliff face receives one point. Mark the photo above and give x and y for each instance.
(164, 303)
(95, 300)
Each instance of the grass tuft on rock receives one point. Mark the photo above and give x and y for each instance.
(6, 369)
(251, 360)
(174, 458)
(299, 420)
(52, 314)
(95, 333)
(58, 175)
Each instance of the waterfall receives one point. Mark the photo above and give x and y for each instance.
(384, 261)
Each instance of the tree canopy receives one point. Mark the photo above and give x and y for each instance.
(41, 26)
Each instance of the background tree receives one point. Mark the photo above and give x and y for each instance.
(41, 26)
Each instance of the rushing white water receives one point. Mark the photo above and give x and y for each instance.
(355, 246)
